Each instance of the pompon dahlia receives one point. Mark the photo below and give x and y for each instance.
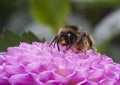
(38, 64)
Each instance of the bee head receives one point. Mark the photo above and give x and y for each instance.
(67, 38)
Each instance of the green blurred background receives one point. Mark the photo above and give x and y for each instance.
(39, 20)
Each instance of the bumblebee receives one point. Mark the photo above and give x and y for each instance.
(72, 36)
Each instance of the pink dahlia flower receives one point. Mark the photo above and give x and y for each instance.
(39, 64)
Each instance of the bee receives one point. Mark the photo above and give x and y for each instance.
(72, 36)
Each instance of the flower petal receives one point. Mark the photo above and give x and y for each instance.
(22, 79)
(39, 64)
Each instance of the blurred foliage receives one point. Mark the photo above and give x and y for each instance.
(8, 7)
(113, 50)
(96, 3)
(103, 46)
(50, 12)
(9, 38)
(30, 37)
(95, 10)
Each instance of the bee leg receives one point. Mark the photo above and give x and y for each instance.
(69, 40)
(80, 44)
(83, 43)
(91, 43)
(94, 49)
(58, 44)
(53, 40)
(90, 40)
(68, 47)
(87, 41)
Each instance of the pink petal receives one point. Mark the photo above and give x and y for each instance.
(22, 79)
